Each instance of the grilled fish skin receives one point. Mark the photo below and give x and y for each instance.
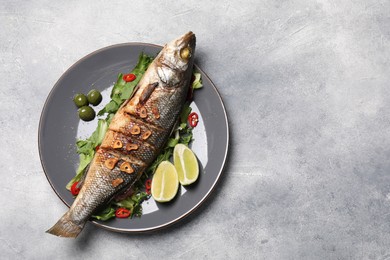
(136, 135)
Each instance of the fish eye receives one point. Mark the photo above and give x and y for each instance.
(185, 53)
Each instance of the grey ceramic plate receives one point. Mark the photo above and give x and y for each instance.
(60, 126)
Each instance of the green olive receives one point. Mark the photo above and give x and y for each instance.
(80, 100)
(94, 97)
(86, 113)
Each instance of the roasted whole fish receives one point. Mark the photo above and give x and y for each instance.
(136, 135)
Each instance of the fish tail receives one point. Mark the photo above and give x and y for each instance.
(66, 227)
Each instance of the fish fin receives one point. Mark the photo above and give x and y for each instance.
(82, 179)
(147, 92)
(66, 227)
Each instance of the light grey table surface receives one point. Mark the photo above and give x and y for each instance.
(306, 87)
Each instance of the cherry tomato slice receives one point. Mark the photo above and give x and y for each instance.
(129, 77)
(74, 189)
(193, 119)
(122, 213)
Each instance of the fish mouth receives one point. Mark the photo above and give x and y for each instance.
(188, 39)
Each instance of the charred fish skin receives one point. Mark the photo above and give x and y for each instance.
(136, 135)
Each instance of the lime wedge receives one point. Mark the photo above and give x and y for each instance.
(165, 182)
(186, 164)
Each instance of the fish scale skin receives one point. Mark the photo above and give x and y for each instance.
(156, 100)
(99, 182)
(167, 98)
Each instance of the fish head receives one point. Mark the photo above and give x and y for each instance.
(176, 60)
(179, 53)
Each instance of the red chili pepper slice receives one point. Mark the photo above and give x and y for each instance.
(122, 213)
(74, 189)
(129, 77)
(193, 119)
(148, 184)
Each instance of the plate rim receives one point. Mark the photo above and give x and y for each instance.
(135, 230)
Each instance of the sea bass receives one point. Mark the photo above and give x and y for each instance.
(136, 135)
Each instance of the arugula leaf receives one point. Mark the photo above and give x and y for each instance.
(126, 203)
(127, 91)
(84, 146)
(185, 113)
(143, 64)
(100, 132)
(138, 198)
(186, 139)
(133, 200)
(109, 118)
(183, 125)
(172, 142)
(85, 160)
(197, 83)
(132, 203)
(123, 90)
(164, 156)
(86, 150)
(105, 214)
(111, 107)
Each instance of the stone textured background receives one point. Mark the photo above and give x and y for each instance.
(306, 86)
